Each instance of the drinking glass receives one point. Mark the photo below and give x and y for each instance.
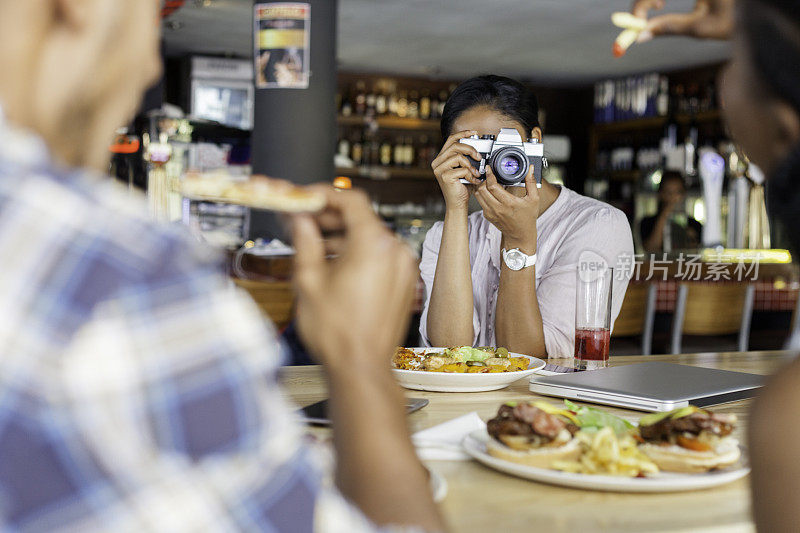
(595, 280)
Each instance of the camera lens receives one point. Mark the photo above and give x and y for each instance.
(510, 165)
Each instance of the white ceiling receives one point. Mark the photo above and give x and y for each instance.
(537, 40)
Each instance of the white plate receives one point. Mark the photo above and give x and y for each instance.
(458, 382)
(475, 445)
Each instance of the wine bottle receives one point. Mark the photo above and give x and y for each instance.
(380, 103)
(425, 105)
(386, 153)
(357, 151)
(361, 99)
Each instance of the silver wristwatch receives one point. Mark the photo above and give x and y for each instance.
(516, 260)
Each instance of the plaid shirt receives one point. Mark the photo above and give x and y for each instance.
(137, 387)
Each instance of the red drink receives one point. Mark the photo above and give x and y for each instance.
(591, 348)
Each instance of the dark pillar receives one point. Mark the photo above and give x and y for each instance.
(294, 132)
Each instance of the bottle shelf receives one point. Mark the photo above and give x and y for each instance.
(651, 123)
(390, 122)
(380, 173)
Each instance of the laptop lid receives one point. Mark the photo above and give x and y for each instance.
(652, 386)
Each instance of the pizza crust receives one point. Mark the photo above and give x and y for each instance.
(257, 192)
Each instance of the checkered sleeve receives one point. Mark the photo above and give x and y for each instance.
(172, 386)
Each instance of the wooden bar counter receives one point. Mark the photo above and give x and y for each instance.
(482, 500)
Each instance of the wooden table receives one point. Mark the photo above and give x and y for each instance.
(482, 500)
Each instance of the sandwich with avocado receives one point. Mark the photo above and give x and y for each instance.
(689, 439)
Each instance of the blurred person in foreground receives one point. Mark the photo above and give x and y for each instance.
(137, 388)
(760, 90)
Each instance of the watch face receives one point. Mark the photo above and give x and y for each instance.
(515, 260)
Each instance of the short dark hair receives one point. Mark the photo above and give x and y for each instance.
(507, 96)
(671, 175)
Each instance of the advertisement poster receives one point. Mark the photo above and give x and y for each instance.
(282, 45)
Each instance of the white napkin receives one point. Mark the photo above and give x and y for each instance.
(443, 442)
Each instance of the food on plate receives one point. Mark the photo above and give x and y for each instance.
(572, 438)
(463, 359)
(534, 434)
(631, 28)
(607, 453)
(689, 439)
(258, 192)
(594, 418)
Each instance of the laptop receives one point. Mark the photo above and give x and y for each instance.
(654, 386)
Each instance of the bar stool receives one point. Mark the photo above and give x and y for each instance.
(637, 314)
(715, 308)
(275, 299)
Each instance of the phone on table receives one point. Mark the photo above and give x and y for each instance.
(317, 413)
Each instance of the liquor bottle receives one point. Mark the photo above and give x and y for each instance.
(347, 105)
(413, 105)
(391, 104)
(681, 104)
(380, 103)
(361, 99)
(409, 152)
(434, 107)
(344, 147)
(425, 105)
(693, 96)
(422, 151)
(669, 136)
(442, 102)
(371, 98)
(357, 151)
(690, 146)
(662, 103)
(386, 153)
(399, 152)
(402, 105)
(374, 151)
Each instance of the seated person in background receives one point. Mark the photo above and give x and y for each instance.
(670, 228)
(472, 297)
(139, 389)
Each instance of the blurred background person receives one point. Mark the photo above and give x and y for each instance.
(670, 228)
(761, 95)
(139, 389)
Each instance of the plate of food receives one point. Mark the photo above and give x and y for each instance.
(461, 369)
(587, 448)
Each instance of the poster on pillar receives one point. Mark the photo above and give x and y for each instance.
(282, 45)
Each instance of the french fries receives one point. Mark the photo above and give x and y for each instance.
(631, 28)
(608, 454)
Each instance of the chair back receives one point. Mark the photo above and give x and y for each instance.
(275, 299)
(714, 308)
(631, 319)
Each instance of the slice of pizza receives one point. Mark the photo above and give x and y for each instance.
(258, 192)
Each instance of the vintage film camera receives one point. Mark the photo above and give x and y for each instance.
(508, 156)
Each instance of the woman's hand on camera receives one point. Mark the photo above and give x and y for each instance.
(710, 19)
(352, 311)
(452, 165)
(514, 216)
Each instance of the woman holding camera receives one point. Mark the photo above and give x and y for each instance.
(505, 275)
